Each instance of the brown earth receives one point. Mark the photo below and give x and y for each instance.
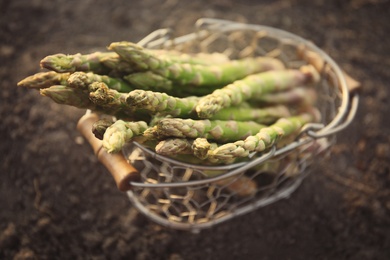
(58, 202)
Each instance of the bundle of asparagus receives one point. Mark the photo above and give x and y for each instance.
(203, 108)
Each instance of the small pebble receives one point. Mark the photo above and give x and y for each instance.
(6, 50)
(79, 140)
(382, 150)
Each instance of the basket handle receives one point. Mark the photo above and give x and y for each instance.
(120, 169)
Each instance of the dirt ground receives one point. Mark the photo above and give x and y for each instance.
(58, 202)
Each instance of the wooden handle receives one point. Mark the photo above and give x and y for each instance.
(116, 164)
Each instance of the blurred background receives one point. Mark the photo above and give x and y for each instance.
(58, 202)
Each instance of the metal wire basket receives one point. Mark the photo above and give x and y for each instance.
(183, 196)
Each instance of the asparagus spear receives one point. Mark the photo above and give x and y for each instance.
(140, 58)
(265, 115)
(218, 130)
(193, 74)
(200, 58)
(121, 66)
(44, 80)
(300, 95)
(174, 146)
(79, 98)
(164, 104)
(69, 96)
(217, 75)
(120, 133)
(111, 101)
(145, 59)
(116, 64)
(264, 139)
(149, 80)
(77, 62)
(200, 147)
(82, 80)
(252, 87)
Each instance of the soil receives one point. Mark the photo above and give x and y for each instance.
(58, 202)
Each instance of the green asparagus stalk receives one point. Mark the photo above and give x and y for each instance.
(174, 146)
(143, 59)
(121, 66)
(202, 149)
(77, 62)
(65, 95)
(265, 115)
(264, 139)
(120, 133)
(185, 150)
(201, 146)
(222, 131)
(82, 80)
(217, 75)
(44, 80)
(149, 80)
(79, 98)
(252, 87)
(300, 95)
(193, 74)
(200, 58)
(140, 58)
(117, 65)
(161, 103)
(111, 101)
(164, 104)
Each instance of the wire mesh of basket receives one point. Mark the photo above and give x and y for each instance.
(192, 197)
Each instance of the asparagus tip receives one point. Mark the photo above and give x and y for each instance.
(57, 62)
